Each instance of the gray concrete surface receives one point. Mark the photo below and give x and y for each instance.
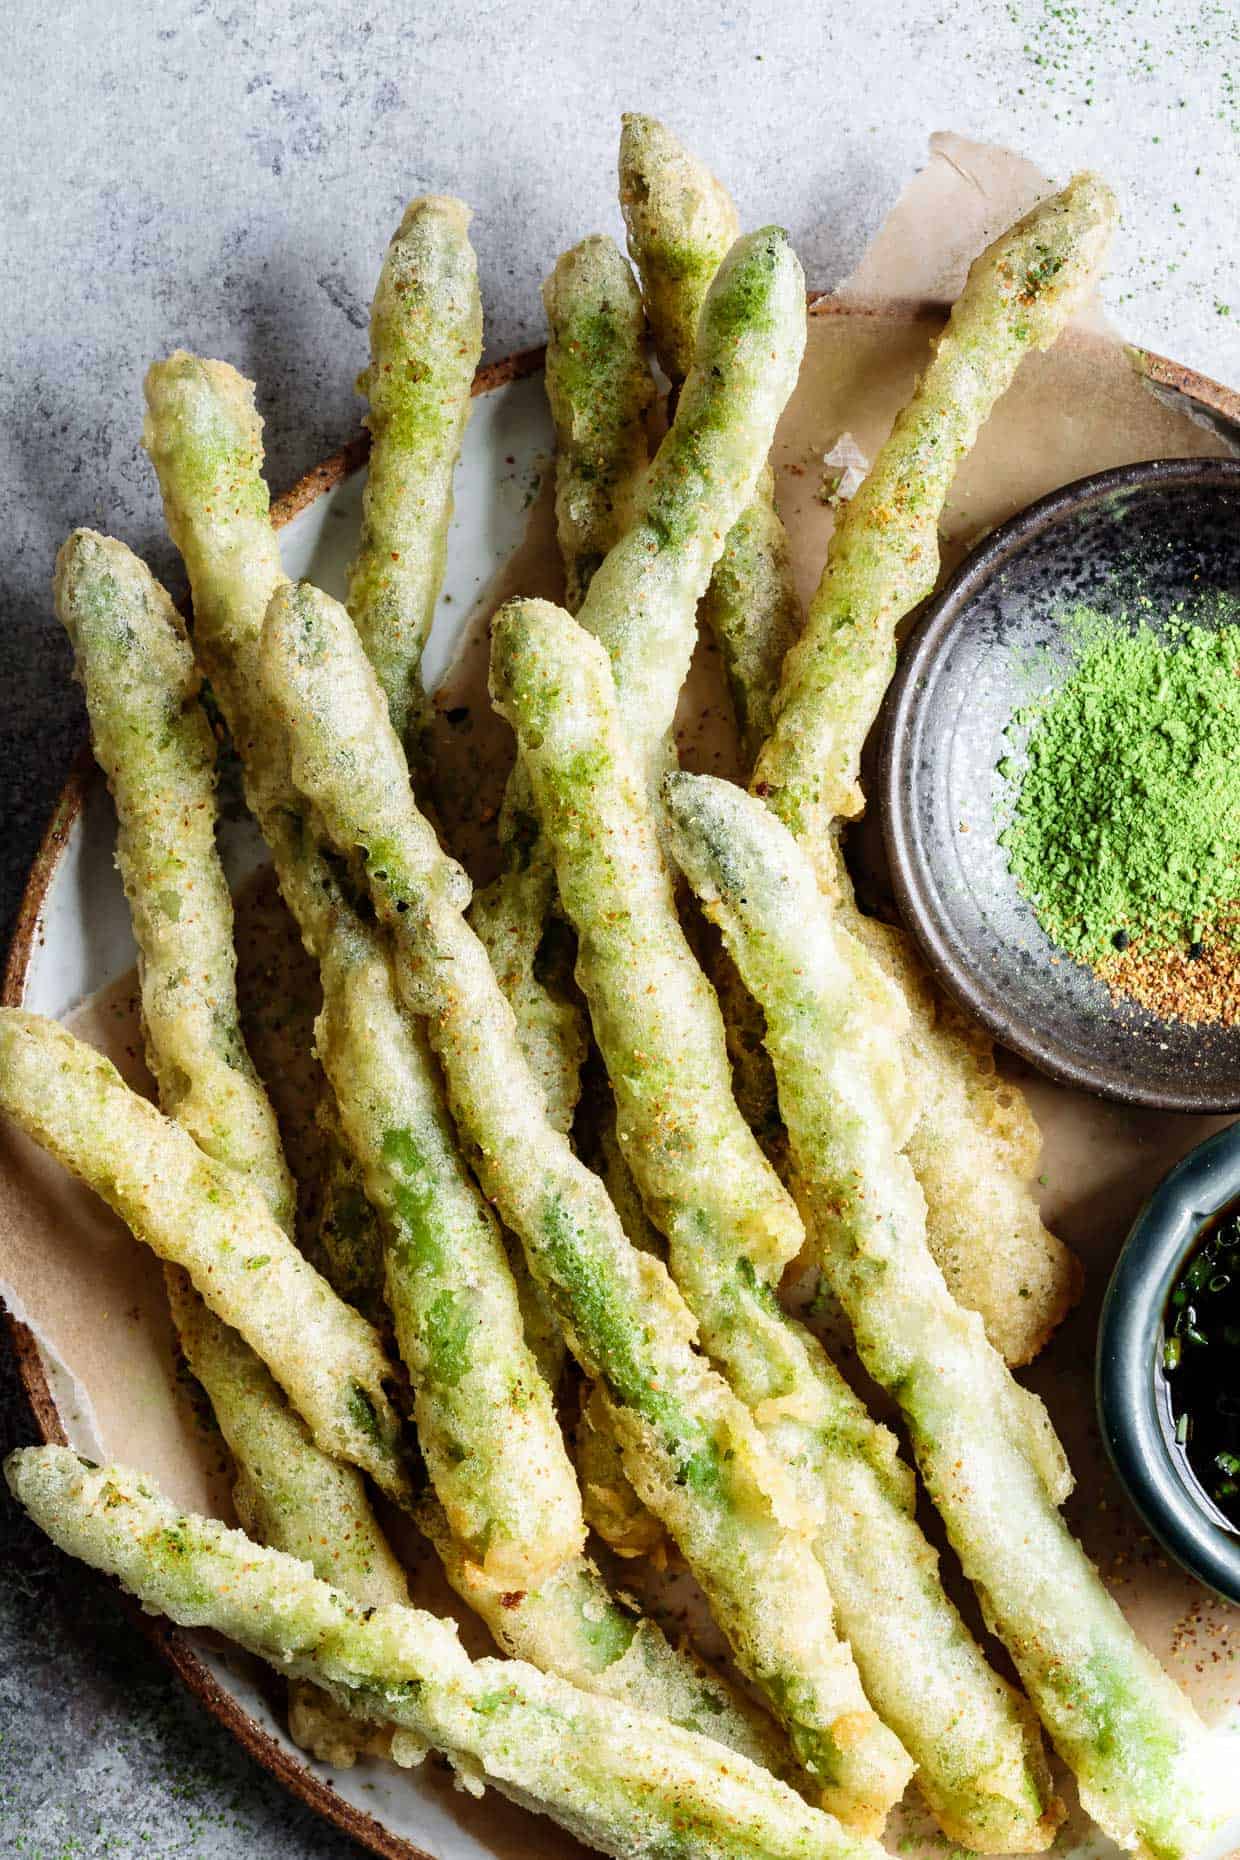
(224, 176)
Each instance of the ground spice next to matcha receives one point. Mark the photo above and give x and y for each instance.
(1125, 820)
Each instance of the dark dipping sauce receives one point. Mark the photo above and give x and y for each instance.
(1201, 1363)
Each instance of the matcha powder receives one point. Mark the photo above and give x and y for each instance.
(1124, 829)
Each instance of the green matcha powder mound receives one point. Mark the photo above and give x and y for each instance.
(1125, 823)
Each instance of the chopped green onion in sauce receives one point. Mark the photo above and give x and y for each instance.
(1201, 1363)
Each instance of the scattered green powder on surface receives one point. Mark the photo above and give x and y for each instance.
(1125, 816)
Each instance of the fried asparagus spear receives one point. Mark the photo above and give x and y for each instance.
(205, 439)
(690, 1448)
(731, 1226)
(288, 1493)
(1141, 1757)
(630, 1784)
(484, 1414)
(197, 1213)
(975, 1148)
(884, 552)
(425, 342)
(681, 222)
(681, 225)
(154, 743)
(600, 390)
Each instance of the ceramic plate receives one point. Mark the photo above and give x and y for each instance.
(1089, 411)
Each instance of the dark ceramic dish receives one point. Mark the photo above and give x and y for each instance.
(989, 643)
(1132, 1404)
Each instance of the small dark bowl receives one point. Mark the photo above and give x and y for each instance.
(986, 646)
(1132, 1404)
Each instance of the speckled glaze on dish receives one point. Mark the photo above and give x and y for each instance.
(1132, 1409)
(987, 645)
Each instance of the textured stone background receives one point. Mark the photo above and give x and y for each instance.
(225, 176)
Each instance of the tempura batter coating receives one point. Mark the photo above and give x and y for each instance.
(198, 1214)
(425, 341)
(631, 1785)
(691, 1450)
(601, 390)
(731, 1225)
(155, 746)
(1141, 1757)
(681, 224)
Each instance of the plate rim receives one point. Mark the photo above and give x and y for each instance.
(170, 1642)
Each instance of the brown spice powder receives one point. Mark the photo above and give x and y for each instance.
(1200, 989)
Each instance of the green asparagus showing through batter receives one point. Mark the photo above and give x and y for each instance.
(1141, 1758)
(703, 1179)
(154, 743)
(425, 341)
(484, 1414)
(600, 389)
(731, 1226)
(507, 1516)
(681, 225)
(572, 1624)
(974, 1155)
(199, 1214)
(628, 1783)
(691, 1450)
(681, 222)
